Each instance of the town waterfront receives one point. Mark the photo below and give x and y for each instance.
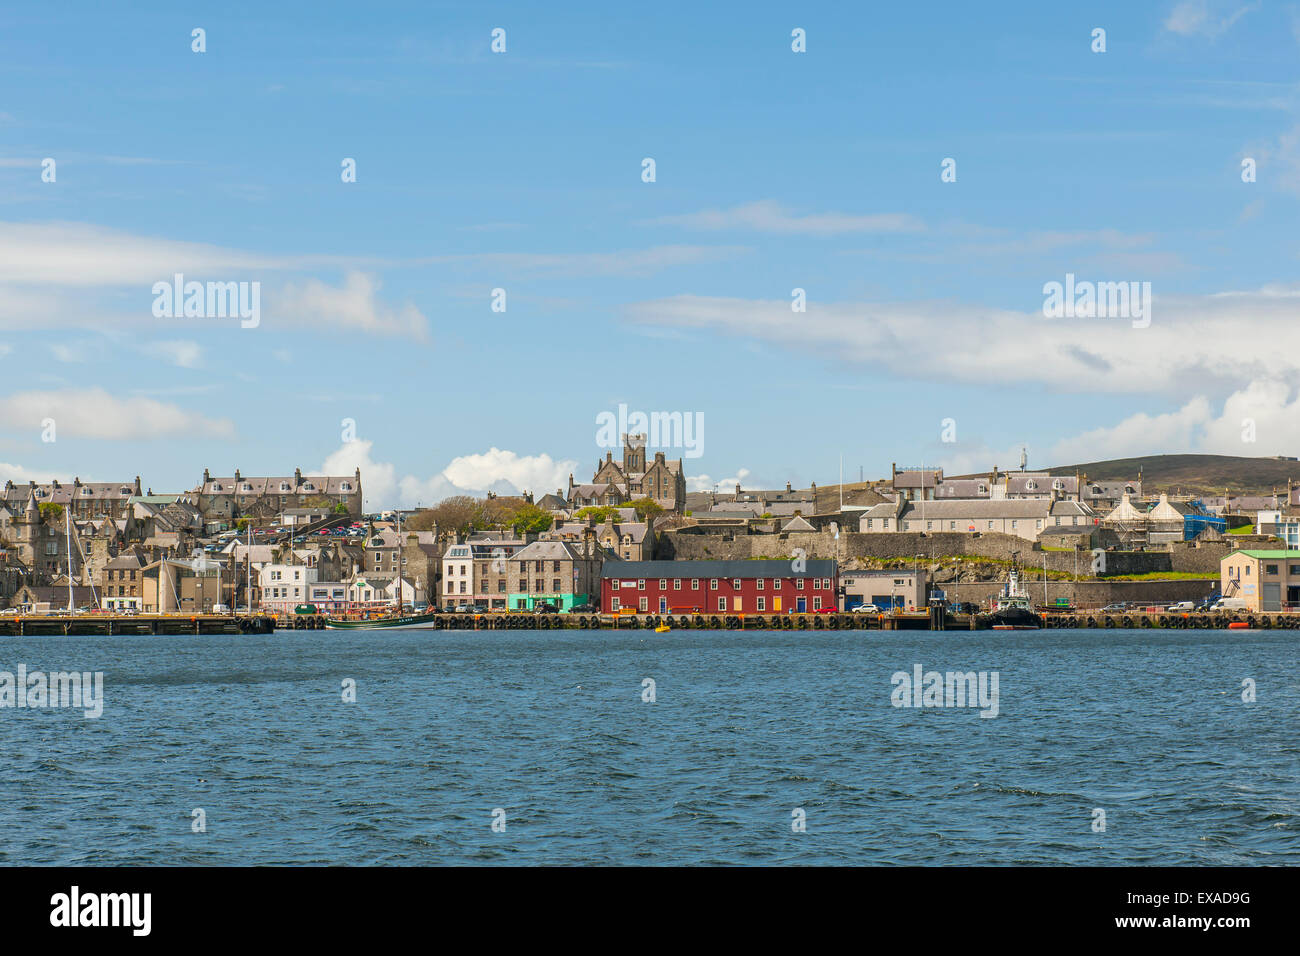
(745, 729)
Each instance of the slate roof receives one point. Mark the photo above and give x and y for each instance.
(715, 569)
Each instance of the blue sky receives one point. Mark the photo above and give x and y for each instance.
(521, 170)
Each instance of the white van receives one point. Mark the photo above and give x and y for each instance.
(1182, 606)
(1230, 604)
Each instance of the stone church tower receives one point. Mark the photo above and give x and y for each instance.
(634, 454)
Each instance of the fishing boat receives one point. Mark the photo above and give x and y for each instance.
(396, 619)
(393, 620)
(1013, 612)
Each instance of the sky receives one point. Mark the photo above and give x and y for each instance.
(517, 179)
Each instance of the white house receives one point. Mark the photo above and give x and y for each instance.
(284, 586)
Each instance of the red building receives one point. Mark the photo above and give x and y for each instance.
(714, 587)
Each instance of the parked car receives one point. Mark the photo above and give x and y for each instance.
(866, 609)
(1120, 606)
(1182, 606)
(545, 609)
(583, 609)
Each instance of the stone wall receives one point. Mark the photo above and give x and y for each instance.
(1181, 556)
(1092, 593)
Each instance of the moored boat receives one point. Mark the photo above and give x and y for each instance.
(1013, 612)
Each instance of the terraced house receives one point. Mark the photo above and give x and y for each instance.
(476, 572)
(555, 573)
(222, 500)
(1023, 517)
(86, 500)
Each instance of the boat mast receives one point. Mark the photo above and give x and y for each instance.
(399, 564)
(67, 525)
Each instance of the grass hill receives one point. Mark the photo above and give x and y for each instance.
(1194, 474)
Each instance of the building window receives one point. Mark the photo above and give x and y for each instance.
(613, 584)
(735, 584)
(677, 584)
(798, 583)
(713, 584)
(1270, 569)
(817, 604)
(762, 604)
(722, 604)
(642, 605)
(613, 604)
(663, 584)
(776, 584)
(695, 584)
(760, 584)
(640, 585)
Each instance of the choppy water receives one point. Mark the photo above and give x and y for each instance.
(551, 727)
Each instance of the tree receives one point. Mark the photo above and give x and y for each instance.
(459, 513)
(51, 512)
(530, 518)
(340, 509)
(646, 508)
(602, 512)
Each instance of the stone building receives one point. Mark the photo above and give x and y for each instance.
(222, 500)
(553, 572)
(659, 479)
(86, 500)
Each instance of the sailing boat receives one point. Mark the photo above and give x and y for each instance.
(397, 618)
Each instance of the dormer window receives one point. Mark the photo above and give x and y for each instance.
(345, 486)
(1031, 484)
(247, 486)
(217, 486)
(284, 486)
(1058, 484)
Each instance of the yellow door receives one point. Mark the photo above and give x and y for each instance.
(735, 604)
(776, 604)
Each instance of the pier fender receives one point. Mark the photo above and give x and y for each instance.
(1127, 622)
(834, 622)
(715, 623)
(1109, 621)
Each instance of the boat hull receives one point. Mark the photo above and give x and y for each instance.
(1015, 619)
(410, 621)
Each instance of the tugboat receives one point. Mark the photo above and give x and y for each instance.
(1013, 612)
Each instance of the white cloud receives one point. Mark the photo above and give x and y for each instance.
(1269, 410)
(1191, 346)
(494, 470)
(623, 262)
(183, 354)
(352, 306)
(1195, 18)
(377, 482)
(20, 475)
(767, 215)
(95, 413)
(539, 473)
(78, 254)
(728, 485)
(58, 274)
